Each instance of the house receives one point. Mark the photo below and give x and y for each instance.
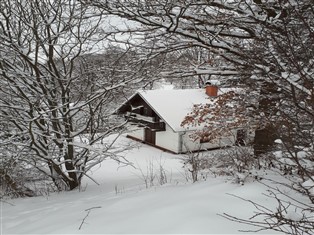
(157, 116)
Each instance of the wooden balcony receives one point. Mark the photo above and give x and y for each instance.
(137, 116)
(153, 123)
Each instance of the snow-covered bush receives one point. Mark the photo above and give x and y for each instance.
(154, 174)
(238, 162)
(15, 178)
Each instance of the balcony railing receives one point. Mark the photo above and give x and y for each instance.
(154, 123)
(140, 117)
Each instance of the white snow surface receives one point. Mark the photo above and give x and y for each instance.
(122, 203)
(174, 105)
(309, 185)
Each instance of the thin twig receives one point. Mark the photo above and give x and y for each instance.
(88, 211)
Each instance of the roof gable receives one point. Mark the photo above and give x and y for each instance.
(172, 106)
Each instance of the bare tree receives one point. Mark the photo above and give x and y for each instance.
(54, 111)
(267, 45)
(225, 30)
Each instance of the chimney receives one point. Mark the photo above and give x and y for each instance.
(211, 89)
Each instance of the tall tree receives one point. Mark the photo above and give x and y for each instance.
(54, 109)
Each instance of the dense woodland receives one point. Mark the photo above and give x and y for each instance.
(66, 65)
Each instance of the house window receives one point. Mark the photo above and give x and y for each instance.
(241, 136)
(162, 126)
(141, 111)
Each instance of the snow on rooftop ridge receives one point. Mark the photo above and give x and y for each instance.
(174, 105)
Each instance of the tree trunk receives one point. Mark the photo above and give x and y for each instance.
(74, 181)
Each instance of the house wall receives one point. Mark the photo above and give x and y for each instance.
(171, 140)
(190, 145)
(168, 139)
(165, 139)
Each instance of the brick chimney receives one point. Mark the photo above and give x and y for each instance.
(211, 89)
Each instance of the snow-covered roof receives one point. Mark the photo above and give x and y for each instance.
(174, 105)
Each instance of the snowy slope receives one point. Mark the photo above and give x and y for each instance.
(122, 204)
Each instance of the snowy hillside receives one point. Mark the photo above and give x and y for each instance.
(123, 204)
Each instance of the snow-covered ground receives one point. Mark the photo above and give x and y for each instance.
(123, 204)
